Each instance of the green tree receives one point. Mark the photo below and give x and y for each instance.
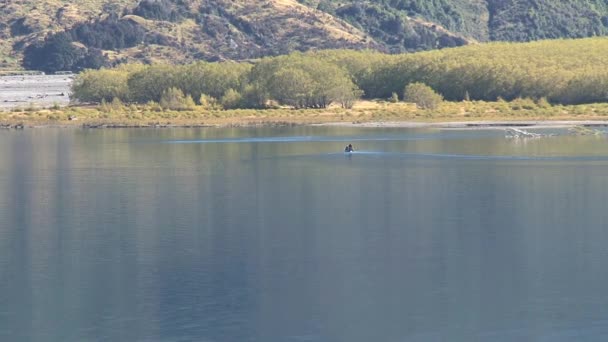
(213, 79)
(422, 95)
(394, 98)
(150, 83)
(56, 53)
(346, 94)
(254, 96)
(209, 102)
(292, 86)
(174, 99)
(303, 81)
(97, 85)
(231, 99)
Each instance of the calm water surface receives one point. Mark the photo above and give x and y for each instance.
(275, 235)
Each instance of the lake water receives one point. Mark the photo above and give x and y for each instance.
(274, 234)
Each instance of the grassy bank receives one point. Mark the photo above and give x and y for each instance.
(363, 111)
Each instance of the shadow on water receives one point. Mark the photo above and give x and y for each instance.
(383, 146)
(419, 235)
(310, 139)
(407, 155)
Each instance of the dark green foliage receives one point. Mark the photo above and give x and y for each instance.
(159, 10)
(392, 27)
(586, 89)
(525, 20)
(19, 27)
(509, 20)
(325, 6)
(93, 59)
(54, 54)
(109, 34)
(150, 83)
(58, 53)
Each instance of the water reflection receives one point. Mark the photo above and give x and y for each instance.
(116, 235)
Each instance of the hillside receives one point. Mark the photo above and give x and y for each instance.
(99, 32)
(176, 31)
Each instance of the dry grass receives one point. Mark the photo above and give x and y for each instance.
(290, 24)
(42, 16)
(364, 111)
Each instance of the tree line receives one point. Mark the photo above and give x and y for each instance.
(298, 80)
(560, 71)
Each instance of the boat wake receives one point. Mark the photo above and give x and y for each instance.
(517, 133)
(313, 139)
(413, 155)
(582, 130)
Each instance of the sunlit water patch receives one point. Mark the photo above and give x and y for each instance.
(274, 234)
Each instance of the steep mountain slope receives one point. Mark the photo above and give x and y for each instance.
(183, 30)
(178, 30)
(109, 31)
(525, 20)
(482, 20)
(22, 22)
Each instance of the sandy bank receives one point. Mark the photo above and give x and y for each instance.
(460, 125)
(476, 124)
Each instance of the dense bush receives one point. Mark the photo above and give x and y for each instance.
(213, 79)
(150, 83)
(102, 85)
(80, 47)
(556, 70)
(20, 27)
(304, 81)
(510, 20)
(422, 95)
(208, 102)
(231, 99)
(58, 53)
(159, 10)
(569, 72)
(111, 33)
(391, 25)
(174, 99)
(543, 19)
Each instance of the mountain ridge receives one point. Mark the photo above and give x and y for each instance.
(180, 31)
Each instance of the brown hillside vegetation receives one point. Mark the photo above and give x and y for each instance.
(211, 29)
(23, 21)
(181, 31)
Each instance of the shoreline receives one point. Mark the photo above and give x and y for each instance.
(449, 115)
(459, 125)
(479, 124)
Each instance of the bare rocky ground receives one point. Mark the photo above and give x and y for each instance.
(38, 91)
